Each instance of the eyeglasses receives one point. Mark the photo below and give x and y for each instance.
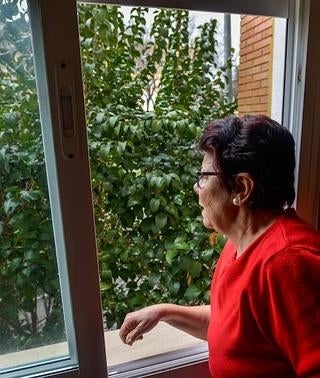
(200, 176)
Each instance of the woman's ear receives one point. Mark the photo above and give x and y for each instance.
(243, 189)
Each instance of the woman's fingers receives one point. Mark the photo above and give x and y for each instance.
(127, 326)
(130, 333)
(135, 335)
(137, 323)
(131, 329)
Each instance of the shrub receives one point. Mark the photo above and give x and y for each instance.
(148, 94)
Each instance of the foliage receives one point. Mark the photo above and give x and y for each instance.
(30, 305)
(148, 93)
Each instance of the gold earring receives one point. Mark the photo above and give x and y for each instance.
(235, 201)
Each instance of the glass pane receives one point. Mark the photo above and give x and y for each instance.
(261, 65)
(152, 79)
(31, 317)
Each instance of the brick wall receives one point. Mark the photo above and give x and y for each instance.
(255, 69)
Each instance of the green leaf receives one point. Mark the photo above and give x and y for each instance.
(207, 254)
(133, 202)
(117, 130)
(104, 286)
(9, 206)
(195, 268)
(170, 255)
(88, 68)
(121, 147)
(15, 263)
(100, 117)
(174, 287)
(4, 159)
(192, 293)
(105, 149)
(161, 220)
(113, 120)
(154, 204)
(171, 209)
(156, 125)
(30, 195)
(87, 42)
(180, 243)
(157, 181)
(146, 225)
(154, 279)
(30, 255)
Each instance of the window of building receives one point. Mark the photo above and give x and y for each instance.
(152, 78)
(136, 118)
(30, 291)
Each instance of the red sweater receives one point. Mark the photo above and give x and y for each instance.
(265, 305)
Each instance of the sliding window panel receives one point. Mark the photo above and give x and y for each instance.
(34, 327)
(147, 95)
(295, 84)
(70, 221)
(76, 317)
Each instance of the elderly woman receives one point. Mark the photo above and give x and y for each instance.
(264, 316)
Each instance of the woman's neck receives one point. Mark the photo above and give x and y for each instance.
(250, 226)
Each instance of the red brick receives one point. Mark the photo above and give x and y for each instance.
(263, 99)
(266, 66)
(262, 43)
(254, 39)
(245, 19)
(267, 49)
(246, 50)
(254, 54)
(261, 75)
(243, 44)
(248, 86)
(261, 59)
(265, 24)
(267, 33)
(245, 79)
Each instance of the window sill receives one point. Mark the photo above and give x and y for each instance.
(163, 348)
(162, 339)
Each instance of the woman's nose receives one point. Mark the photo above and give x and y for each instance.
(195, 187)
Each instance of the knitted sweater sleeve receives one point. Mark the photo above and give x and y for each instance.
(290, 317)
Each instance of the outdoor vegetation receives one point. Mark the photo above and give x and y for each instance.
(149, 88)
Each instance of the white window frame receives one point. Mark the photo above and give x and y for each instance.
(56, 50)
(56, 42)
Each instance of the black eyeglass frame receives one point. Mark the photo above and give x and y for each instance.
(200, 174)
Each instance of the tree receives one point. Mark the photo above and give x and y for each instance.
(30, 307)
(151, 242)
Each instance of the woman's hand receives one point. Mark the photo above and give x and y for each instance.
(137, 323)
(191, 319)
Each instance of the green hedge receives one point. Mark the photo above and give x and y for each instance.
(148, 94)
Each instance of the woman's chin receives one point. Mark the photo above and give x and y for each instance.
(207, 224)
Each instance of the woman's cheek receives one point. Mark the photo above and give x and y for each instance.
(207, 216)
(204, 198)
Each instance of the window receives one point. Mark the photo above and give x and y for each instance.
(60, 93)
(31, 300)
(147, 97)
(152, 78)
(71, 215)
